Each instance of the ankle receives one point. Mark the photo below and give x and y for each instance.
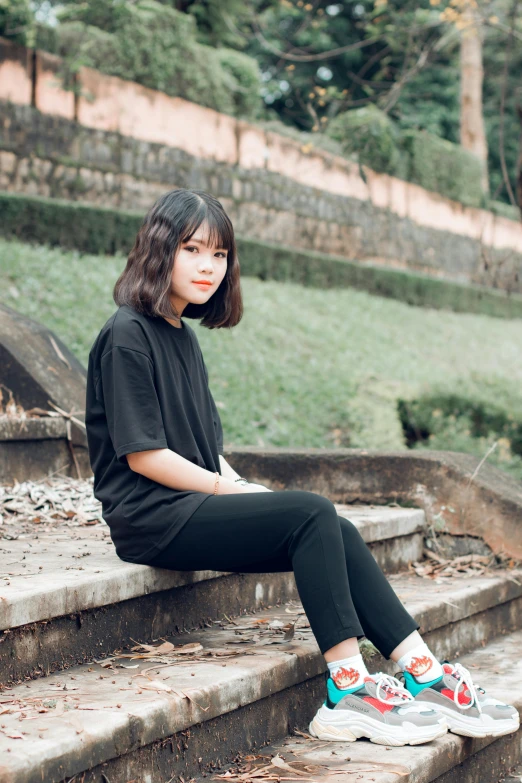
(421, 664)
(348, 673)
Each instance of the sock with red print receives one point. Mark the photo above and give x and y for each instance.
(421, 664)
(348, 674)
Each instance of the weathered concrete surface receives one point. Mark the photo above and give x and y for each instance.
(31, 429)
(69, 571)
(33, 448)
(100, 715)
(38, 649)
(89, 602)
(35, 372)
(449, 759)
(443, 483)
(454, 617)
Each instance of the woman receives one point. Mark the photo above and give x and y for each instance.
(172, 500)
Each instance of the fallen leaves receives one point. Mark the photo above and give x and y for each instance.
(435, 566)
(48, 503)
(303, 770)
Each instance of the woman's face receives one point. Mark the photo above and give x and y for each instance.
(194, 261)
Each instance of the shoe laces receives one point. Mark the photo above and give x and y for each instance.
(390, 684)
(463, 677)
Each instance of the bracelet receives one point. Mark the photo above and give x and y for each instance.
(216, 484)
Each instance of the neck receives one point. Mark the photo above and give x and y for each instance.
(177, 323)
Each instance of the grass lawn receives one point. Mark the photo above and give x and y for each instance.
(310, 367)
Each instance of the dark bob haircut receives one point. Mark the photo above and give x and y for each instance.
(145, 283)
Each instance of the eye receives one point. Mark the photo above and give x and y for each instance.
(220, 253)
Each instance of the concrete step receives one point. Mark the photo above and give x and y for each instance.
(245, 688)
(66, 596)
(450, 759)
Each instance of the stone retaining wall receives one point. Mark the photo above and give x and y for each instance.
(122, 145)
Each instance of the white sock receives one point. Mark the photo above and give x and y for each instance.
(348, 673)
(421, 663)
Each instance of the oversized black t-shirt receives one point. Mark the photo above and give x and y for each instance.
(147, 388)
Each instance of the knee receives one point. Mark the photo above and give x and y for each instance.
(313, 506)
(349, 531)
(321, 504)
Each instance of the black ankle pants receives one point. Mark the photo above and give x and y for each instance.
(343, 591)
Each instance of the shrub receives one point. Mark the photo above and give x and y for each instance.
(443, 167)
(371, 137)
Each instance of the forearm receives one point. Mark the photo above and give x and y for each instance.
(171, 469)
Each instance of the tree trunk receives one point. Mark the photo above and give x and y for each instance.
(519, 163)
(472, 132)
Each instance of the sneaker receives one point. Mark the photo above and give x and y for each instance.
(466, 707)
(381, 710)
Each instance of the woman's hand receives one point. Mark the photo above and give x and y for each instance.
(255, 488)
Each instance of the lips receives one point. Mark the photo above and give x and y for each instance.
(202, 283)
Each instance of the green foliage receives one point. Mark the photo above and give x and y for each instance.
(470, 420)
(69, 224)
(446, 168)
(156, 46)
(16, 20)
(505, 210)
(370, 135)
(218, 21)
(97, 230)
(243, 81)
(428, 99)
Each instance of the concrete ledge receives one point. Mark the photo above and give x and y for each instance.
(44, 428)
(66, 574)
(379, 523)
(66, 742)
(443, 483)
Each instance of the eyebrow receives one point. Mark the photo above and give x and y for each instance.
(200, 242)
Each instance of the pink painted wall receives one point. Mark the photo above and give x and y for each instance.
(50, 97)
(15, 73)
(112, 104)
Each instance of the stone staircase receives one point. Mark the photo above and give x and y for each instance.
(75, 706)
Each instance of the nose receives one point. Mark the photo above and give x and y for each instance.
(205, 263)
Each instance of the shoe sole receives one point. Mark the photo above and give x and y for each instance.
(343, 729)
(474, 727)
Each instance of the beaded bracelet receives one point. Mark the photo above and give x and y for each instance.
(216, 484)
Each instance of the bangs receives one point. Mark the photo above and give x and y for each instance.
(220, 232)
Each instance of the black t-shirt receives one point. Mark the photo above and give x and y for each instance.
(147, 388)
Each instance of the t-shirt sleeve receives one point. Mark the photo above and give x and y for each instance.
(130, 401)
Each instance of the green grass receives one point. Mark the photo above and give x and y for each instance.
(306, 366)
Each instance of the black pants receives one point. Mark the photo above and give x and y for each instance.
(343, 591)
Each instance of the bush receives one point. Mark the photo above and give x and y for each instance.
(443, 167)
(244, 81)
(369, 135)
(504, 210)
(154, 45)
(467, 421)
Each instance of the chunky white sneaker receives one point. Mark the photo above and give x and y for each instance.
(467, 708)
(381, 710)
